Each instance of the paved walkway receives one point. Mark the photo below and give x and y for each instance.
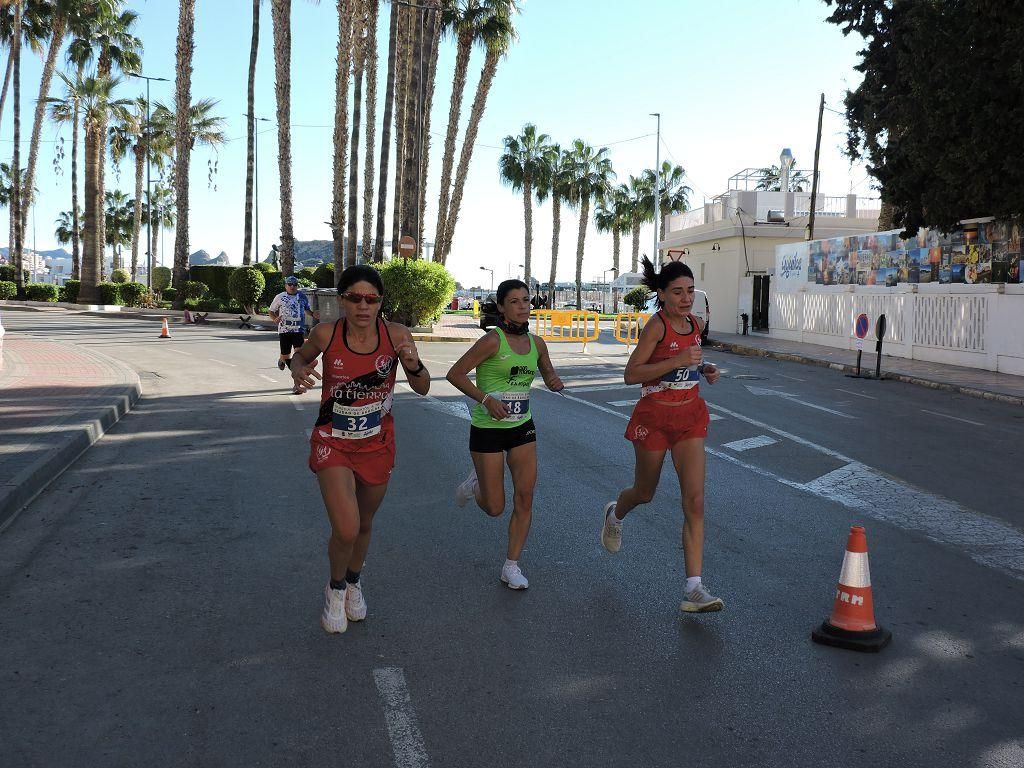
(55, 401)
(990, 385)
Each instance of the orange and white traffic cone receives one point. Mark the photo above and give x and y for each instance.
(852, 623)
(165, 332)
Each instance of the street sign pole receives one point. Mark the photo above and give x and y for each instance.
(860, 330)
(880, 334)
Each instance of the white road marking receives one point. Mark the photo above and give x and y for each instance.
(714, 417)
(268, 378)
(794, 378)
(296, 402)
(782, 433)
(751, 442)
(181, 352)
(856, 394)
(457, 408)
(588, 376)
(215, 360)
(591, 405)
(622, 403)
(400, 717)
(602, 387)
(308, 433)
(954, 418)
(762, 391)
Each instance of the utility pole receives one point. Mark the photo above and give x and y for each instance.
(657, 192)
(814, 181)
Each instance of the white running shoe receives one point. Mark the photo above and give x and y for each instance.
(333, 618)
(355, 605)
(513, 577)
(466, 490)
(699, 600)
(611, 529)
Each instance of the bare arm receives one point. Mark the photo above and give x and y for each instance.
(547, 370)
(303, 364)
(458, 375)
(415, 372)
(639, 370)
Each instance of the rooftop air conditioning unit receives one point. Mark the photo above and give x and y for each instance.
(776, 217)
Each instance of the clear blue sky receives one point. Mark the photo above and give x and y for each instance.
(734, 83)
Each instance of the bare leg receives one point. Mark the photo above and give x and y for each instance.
(522, 462)
(645, 481)
(689, 459)
(369, 498)
(490, 476)
(338, 487)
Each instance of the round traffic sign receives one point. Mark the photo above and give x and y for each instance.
(406, 246)
(860, 327)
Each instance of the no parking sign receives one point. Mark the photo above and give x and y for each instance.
(860, 328)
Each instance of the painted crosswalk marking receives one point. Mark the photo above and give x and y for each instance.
(751, 442)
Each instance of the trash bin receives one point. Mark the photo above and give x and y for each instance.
(455, 303)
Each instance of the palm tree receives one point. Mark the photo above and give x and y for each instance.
(385, 134)
(557, 182)
(771, 179)
(434, 29)
(15, 205)
(182, 143)
(357, 32)
(640, 210)
(370, 67)
(521, 166)
(497, 34)
(119, 213)
(65, 232)
(160, 210)
(341, 127)
(128, 135)
(66, 110)
(250, 152)
(612, 215)
(34, 32)
(280, 13)
(674, 192)
(403, 61)
(592, 177)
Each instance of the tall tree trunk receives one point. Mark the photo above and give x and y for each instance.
(616, 247)
(341, 133)
(634, 263)
(528, 221)
(385, 136)
(92, 251)
(370, 68)
(16, 254)
(183, 148)
(475, 116)
(885, 216)
(413, 109)
(463, 49)
(358, 61)
(281, 11)
(250, 154)
(403, 56)
(76, 253)
(556, 228)
(56, 41)
(433, 42)
(7, 82)
(140, 168)
(584, 217)
(154, 240)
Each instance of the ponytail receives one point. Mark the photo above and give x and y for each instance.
(659, 281)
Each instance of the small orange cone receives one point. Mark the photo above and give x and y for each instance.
(165, 332)
(852, 623)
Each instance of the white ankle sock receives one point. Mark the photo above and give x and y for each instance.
(692, 582)
(614, 518)
(509, 563)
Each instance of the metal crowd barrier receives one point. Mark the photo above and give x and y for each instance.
(566, 325)
(628, 326)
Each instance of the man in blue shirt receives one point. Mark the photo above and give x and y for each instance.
(289, 310)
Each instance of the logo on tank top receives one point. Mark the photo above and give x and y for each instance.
(322, 452)
(674, 345)
(640, 432)
(383, 364)
(338, 363)
(521, 375)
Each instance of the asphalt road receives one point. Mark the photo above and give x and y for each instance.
(159, 603)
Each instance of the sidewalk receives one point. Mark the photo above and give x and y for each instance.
(452, 328)
(55, 401)
(975, 382)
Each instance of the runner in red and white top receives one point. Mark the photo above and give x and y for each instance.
(352, 448)
(671, 416)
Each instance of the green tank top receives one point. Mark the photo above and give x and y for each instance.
(506, 376)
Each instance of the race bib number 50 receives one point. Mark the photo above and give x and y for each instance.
(681, 378)
(356, 423)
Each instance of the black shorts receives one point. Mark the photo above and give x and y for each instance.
(484, 440)
(290, 340)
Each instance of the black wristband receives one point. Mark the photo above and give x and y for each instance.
(418, 371)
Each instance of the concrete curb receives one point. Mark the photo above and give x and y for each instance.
(741, 349)
(131, 313)
(18, 492)
(446, 339)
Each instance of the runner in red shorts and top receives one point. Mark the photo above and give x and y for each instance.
(671, 417)
(352, 448)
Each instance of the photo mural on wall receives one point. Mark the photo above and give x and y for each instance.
(982, 253)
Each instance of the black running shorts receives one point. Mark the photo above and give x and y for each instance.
(484, 440)
(290, 340)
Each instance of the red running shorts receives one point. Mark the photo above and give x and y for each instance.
(656, 427)
(369, 467)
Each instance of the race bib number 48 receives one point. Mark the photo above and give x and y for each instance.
(356, 423)
(517, 404)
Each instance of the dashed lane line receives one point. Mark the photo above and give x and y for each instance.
(751, 442)
(954, 418)
(400, 718)
(856, 394)
(268, 378)
(215, 360)
(794, 378)
(602, 387)
(629, 403)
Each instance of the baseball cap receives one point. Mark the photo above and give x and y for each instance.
(291, 280)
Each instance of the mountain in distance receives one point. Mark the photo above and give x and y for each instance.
(56, 253)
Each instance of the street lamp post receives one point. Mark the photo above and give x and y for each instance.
(148, 134)
(256, 183)
(604, 278)
(488, 269)
(657, 190)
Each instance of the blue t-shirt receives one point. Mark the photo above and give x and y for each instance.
(292, 309)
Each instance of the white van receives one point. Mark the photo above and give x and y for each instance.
(701, 308)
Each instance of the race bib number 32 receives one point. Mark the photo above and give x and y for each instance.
(356, 423)
(517, 404)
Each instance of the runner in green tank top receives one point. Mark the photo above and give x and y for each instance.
(506, 361)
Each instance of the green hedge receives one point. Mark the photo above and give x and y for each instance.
(162, 277)
(110, 293)
(41, 292)
(169, 294)
(265, 268)
(246, 286)
(193, 289)
(274, 286)
(132, 293)
(8, 289)
(323, 276)
(415, 291)
(636, 298)
(120, 276)
(216, 277)
(306, 273)
(69, 292)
